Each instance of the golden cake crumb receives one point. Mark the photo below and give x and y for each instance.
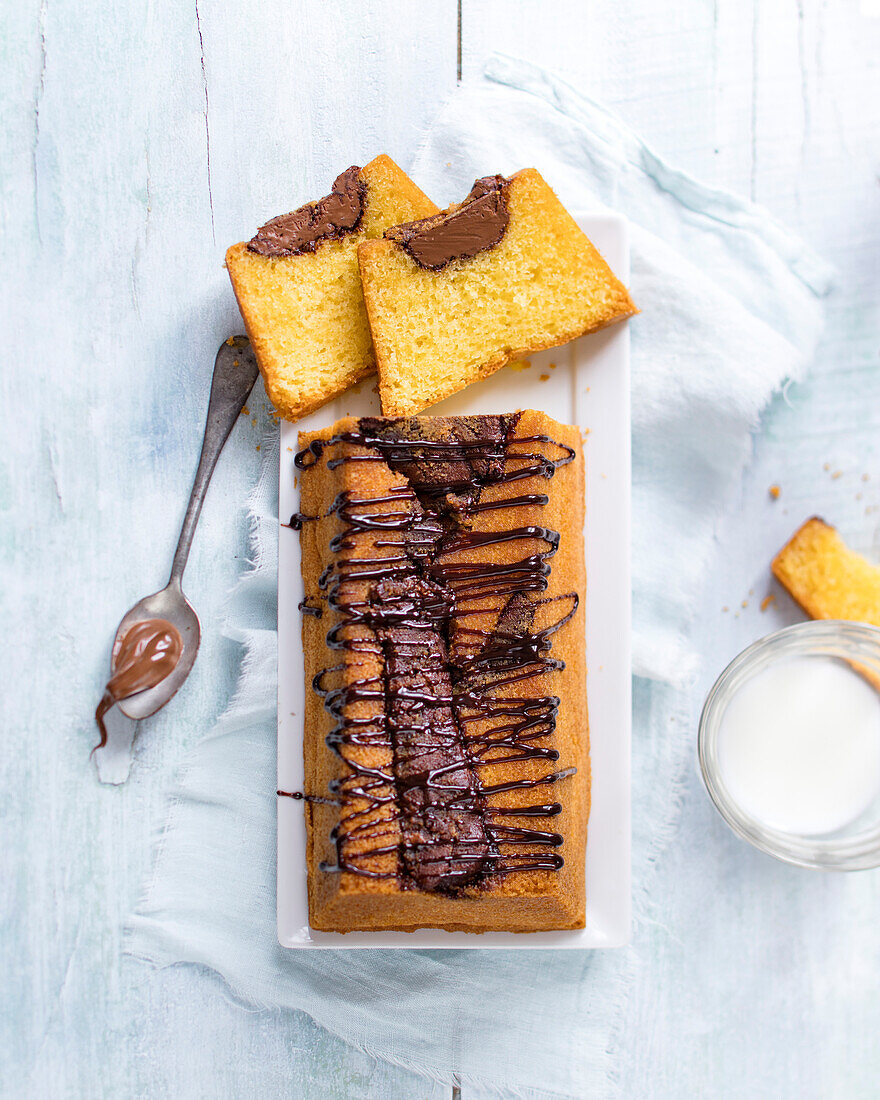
(775, 491)
(765, 603)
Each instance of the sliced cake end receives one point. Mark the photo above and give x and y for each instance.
(453, 297)
(299, 291)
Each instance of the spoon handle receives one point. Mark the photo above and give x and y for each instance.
(235, 371)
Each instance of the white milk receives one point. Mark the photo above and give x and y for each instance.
(799, 745)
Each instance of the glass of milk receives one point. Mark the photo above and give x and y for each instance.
(789, 745)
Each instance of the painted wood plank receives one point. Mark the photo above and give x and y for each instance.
(755, 978)
(114, 222)
(652, 63)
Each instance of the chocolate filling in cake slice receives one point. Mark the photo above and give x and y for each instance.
(328, 219)
(473, 226)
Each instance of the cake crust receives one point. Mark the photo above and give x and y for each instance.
(374, 830)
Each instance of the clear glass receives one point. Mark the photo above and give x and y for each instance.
(853, 848)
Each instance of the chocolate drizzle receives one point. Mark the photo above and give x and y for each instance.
(420, 682)
(332, 217)
(462, 232)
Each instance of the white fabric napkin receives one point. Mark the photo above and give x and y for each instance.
(730, 310)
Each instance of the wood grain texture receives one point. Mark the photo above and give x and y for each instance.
(140, 139)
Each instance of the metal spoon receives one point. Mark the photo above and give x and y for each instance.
(235, 371)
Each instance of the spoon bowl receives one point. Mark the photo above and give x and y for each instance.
(169, 604)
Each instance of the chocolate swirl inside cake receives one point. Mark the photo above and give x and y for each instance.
(328, 219)
(460, 233)
(412, 582)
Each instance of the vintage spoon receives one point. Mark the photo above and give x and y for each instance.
(235, 371)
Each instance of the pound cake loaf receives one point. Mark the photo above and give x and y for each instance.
(447, 773)
(299, 291)
(453, 297)
(827, 579)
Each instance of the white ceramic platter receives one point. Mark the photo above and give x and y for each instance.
(584, 383)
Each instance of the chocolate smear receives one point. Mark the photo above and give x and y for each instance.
(474, 226)
(329, 219)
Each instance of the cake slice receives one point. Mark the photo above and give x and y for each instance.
(299, 291)
(453, 297)
(446, 746)
(827, 579)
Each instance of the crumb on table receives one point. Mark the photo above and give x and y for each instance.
(765, 603)
(775, 491)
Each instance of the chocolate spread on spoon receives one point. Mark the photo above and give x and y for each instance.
(304, 229)
(472, 227)
(147, 654)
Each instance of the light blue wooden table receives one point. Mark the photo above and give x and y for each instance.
(139, 139)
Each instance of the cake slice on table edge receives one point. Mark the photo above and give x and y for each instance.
(298, 286)
(829, 580)
(446, 747)
(453, 297)
(826, 577)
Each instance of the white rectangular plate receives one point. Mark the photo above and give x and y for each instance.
(584, 383)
